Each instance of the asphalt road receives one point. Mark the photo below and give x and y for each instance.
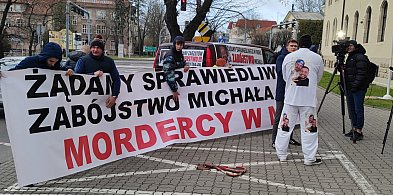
(124, 67)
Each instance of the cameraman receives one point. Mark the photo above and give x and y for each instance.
(355, 73)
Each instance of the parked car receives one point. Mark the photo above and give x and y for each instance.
(7, 63)
(201, 54)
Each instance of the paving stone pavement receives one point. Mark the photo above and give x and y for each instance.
(347, 168)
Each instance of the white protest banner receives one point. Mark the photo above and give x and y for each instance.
(193, 57)
(243, 55)
(59, 125)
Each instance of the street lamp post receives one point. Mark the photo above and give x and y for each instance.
(67, 27)
(387, 96)
(130, 37)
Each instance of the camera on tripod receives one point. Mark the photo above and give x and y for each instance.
(340, 47)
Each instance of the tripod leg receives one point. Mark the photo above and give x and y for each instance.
(345, 92)
(328, 87)
(387, 129)
(342, 94)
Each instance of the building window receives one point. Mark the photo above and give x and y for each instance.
(7, 22)
(101, 14)
(113, 45)
(367, 25)
(346, 21)
(327, 34)
(17, 8)
(84, 28)
(74, 20)
(19, 22)
(334, 29)
(100, 29)
(355, 25)
(382, 21)
(85, 41)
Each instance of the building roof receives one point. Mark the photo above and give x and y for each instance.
(304, 15)
(254, 23)
(230, 25)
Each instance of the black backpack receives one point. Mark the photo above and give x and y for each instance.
(372, 71)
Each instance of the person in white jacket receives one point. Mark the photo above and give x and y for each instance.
(300, 100)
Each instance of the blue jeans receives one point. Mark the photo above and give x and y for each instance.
(356, 108)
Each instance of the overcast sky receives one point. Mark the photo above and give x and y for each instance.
(274, 10)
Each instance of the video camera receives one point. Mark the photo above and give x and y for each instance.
(340, 47)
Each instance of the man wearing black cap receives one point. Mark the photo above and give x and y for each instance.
(355, 73)
(96, 63)
(300, 101)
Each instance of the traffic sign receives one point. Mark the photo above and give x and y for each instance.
(149, 49)
(201, 39)
(203, 28)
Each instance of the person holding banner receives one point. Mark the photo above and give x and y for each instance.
(49, 58)
(173, 60)
(96, 63)
(75, 55)
(300, 102)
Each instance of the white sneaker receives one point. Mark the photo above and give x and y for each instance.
(317, 161)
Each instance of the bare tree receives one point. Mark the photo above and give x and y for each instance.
(38, 12)
(116, 22)
(2, 26)
(216, 12)
(224, 11)
(280, 38)
(309, 5)
(155, 20)
(59, 16)
(261, 38)
(189, 31)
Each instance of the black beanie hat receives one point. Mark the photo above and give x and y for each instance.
(97, 43)
(353, 42)
(305, 41)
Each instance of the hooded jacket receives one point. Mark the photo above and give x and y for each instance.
(173, 60)
(50, 50)
(280, 86)
(356, 69)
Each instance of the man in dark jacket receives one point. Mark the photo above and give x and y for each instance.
(355, 72)
(96, 63)
(173, 60)
(49, 58)
(292, 45)
(75, 55)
